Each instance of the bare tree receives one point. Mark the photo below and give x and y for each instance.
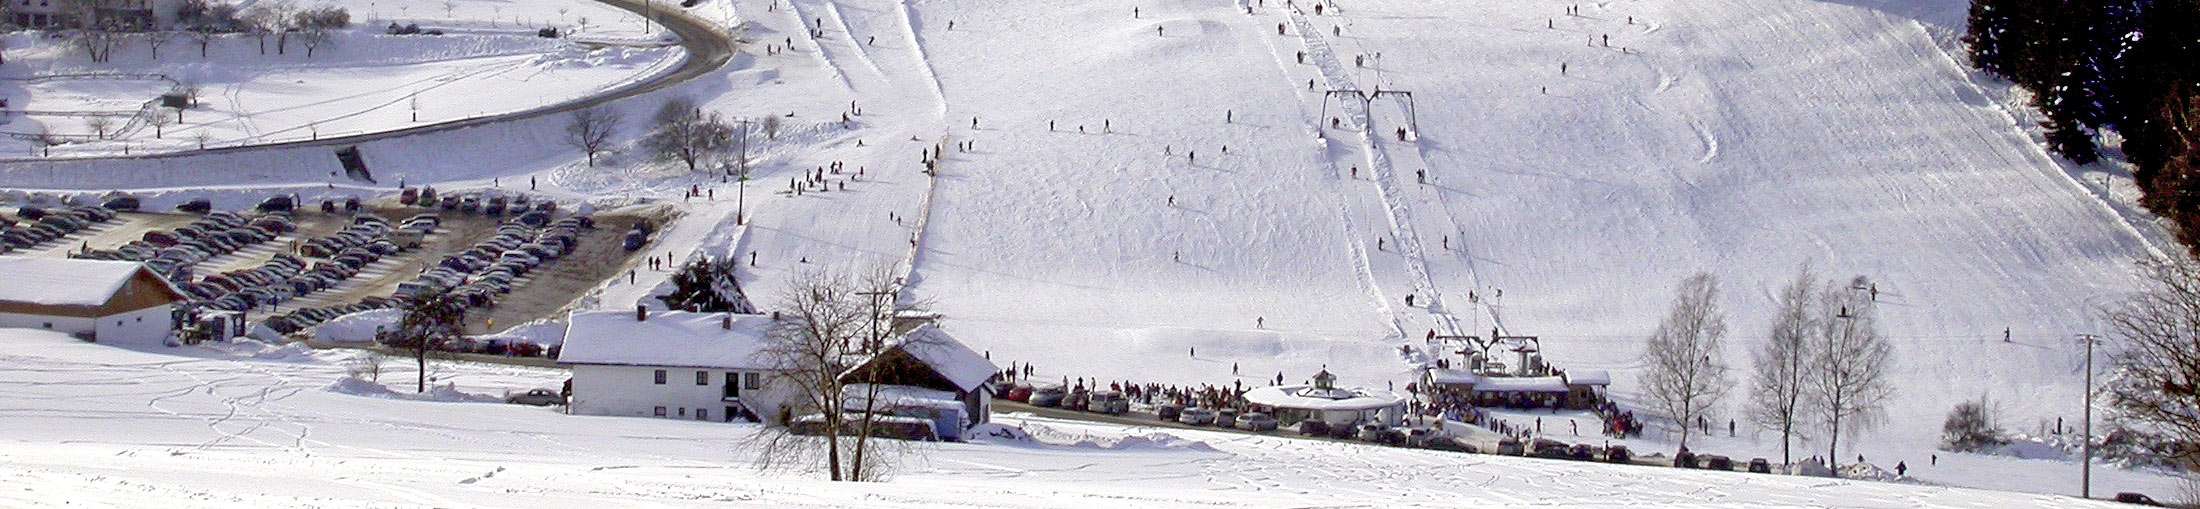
(262, 19)
(1783, 364)
(1848, 385)
(590, 130)
(157, 38)
(160, 121)
(771, 127)
(2154, 357)
(1687, 374)
(99, 124)
(686, 134)
(204, 37)
(430, 322)
(312, 39)
(818, 349)
(202, 137)
(98, 43)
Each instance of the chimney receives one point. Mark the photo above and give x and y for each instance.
(726, 322)
(641, 313)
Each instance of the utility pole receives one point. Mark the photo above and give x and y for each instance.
(2085, 469)
(741, 198)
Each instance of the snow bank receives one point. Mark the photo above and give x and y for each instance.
(244, 348)
(439, 393)
(357, 327)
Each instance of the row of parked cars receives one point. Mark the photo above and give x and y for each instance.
(172, 253)
(34, 225)
(492, 266)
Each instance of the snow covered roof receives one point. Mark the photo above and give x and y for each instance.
(1521, 384)
(1588, 377)
(67, 282)
(667, 338)
(1440, 376)
(960, 365)
(1310, 398)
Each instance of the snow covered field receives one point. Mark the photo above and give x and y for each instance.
(361, 81)
(244, 426)
(1743, 137)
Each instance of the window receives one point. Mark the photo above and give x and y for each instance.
(49, 325)
(702, 414)
(660, 381)
(683, 411)
(141, 319)
(750, 380)
(118, 323)
(660, 411)
(702, 378)
(733, 386)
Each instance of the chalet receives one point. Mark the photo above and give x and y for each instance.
(927, 373)
(677, 365)
(101, 301)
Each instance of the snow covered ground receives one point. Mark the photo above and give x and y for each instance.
(1743, 137)
(247, 425)
(361, 81)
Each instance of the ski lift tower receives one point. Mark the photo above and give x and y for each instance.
(1477, 349)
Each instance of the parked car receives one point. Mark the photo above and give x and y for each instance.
(122, 204)
(1685, 459)
(1760, 466)
(277, 204)
(1048, 397)
(1256, 421)
(2137, 499)
(1717, 462)
(1617, 454)
(536, 397)
(1196, 416)
(1511, 447)
(1108, 402)
(197, 206)
(1167, 411)
(1226, 418)
(1020, 394)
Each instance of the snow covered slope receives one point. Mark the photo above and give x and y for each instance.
(191, 427)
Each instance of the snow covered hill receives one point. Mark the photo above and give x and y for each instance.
(1088, 220)
(252, 425)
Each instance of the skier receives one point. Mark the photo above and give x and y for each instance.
(1157, 31)
(1134, 12)
(1172, 200)
(1262, 322)
(1607, 40)
(1901, 469)
(1378, 243)
(1050, 126)
(1561, 68)
(1229, 116)
(873, 41)
(1409, 300)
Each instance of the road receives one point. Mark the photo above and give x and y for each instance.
(707, 48)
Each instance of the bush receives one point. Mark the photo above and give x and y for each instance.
(1970, 427)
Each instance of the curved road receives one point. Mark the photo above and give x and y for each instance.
(707, 51)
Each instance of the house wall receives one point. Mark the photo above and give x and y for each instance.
(632, 391)
(149, 326)
(64, 324)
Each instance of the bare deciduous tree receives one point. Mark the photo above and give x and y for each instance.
(1687, 374)
(686, 134)
(771, 127)
(2154, 357)
(430, 321)
(590, 129)
(99, 124)
(312, 39)
(204, 37)
(202, 137)
(98, 43)
(1849, 387)
(157, 38)
(160, 122)
(827, 321)
(1783, 364)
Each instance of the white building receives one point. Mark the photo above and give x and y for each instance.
(1324, 401)
(677, 365)
(101, 301)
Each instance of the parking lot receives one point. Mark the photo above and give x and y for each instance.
(273, 263)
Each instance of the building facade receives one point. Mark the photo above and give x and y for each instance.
(674, 365)
(100, 301)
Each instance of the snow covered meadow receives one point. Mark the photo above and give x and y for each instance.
(255, 91)
(256, 425)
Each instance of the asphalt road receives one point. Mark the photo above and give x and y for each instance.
(707, 48)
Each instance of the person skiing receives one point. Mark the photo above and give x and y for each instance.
(1901, 469)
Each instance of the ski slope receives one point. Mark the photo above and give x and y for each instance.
(1744, 138)
(252, 425)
